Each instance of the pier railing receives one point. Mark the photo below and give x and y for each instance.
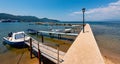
(50, 53)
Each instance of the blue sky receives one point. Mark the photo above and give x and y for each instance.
(65, 10)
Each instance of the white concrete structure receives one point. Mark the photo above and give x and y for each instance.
(84, 50)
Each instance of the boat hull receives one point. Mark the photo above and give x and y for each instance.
(15, 44)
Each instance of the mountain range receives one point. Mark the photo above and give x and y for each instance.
(6, 16)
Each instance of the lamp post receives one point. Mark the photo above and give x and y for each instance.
(83, 10)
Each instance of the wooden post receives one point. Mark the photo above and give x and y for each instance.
(50, 34)
(31, 48)
(58, 36)
(42, 39)
(39, 54)
(37, 34)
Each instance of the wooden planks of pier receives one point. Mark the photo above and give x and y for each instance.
(50, 53)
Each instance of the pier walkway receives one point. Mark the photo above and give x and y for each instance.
(84, 49)
(51, 53)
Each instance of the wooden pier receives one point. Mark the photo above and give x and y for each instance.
(58, 33)
(50, 53)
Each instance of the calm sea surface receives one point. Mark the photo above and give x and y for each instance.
(107, 34)
(5, 28)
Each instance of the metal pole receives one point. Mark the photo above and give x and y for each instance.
(83, 10)
(57, 53)
(83, 23)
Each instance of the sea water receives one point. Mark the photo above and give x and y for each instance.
(107, 35)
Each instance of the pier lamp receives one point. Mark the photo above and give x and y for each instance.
(83, 10)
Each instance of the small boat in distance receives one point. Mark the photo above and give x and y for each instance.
(68, 30)
(32, 31)
(16, 39)
(62, 30)
(56, 30)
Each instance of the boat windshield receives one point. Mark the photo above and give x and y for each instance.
(18, 36)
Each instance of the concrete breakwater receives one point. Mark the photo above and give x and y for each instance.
(84, 50)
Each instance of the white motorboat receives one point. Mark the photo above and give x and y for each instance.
(16, 39)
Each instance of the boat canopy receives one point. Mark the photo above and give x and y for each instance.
(18, 36)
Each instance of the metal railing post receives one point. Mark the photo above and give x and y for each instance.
(57, 53)
(39, 54)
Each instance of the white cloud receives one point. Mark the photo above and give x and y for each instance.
(111, 12)
(115, 3)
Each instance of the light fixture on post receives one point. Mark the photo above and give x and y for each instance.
(83, 10)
